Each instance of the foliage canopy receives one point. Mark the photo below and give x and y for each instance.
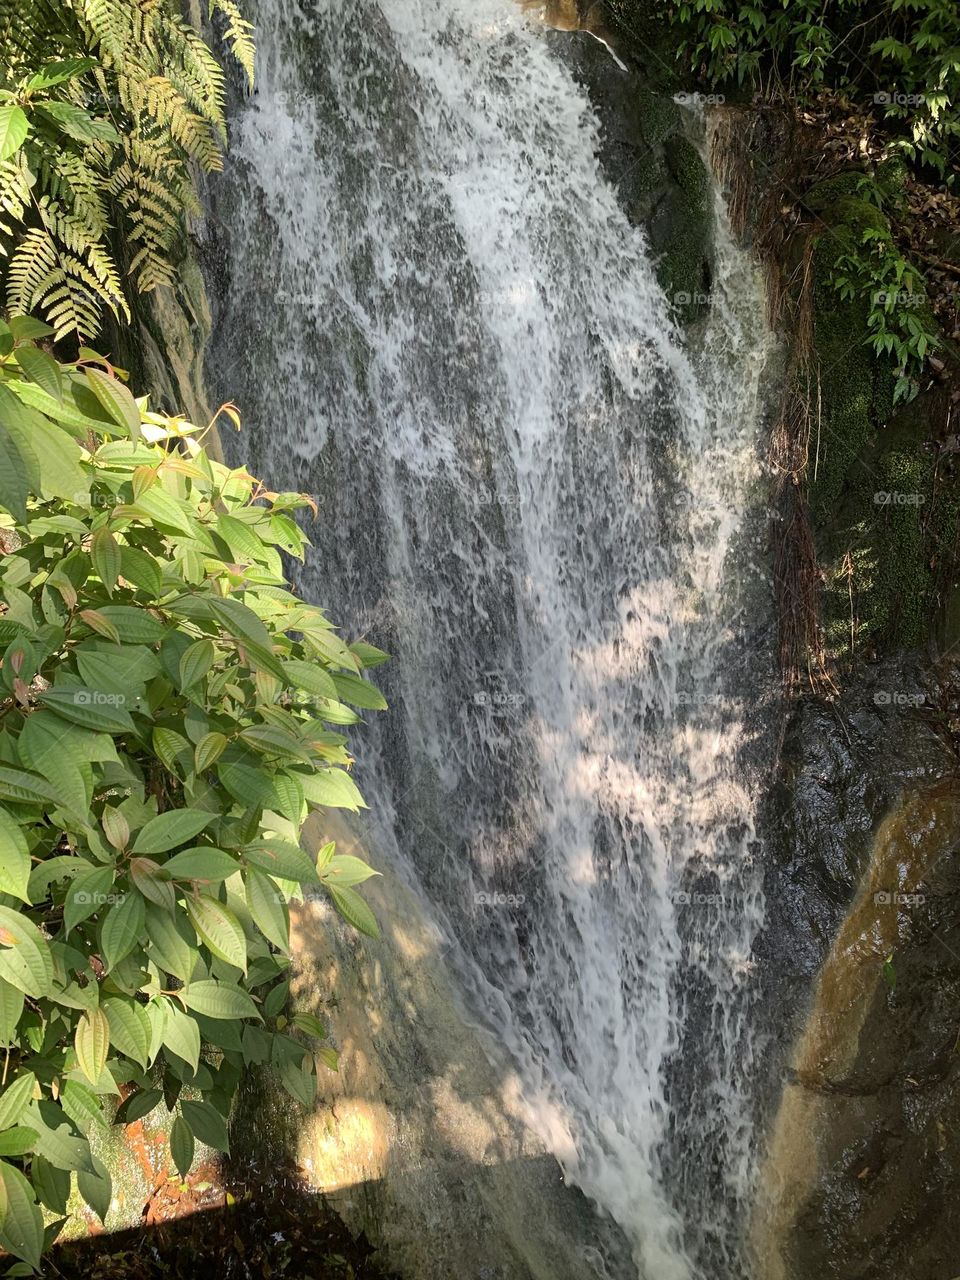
(170, 714)
(104, 107)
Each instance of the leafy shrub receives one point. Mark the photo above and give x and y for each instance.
(900, 56)
(104, 107)
(170, 714)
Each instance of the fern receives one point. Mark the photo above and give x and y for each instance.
(112, 138)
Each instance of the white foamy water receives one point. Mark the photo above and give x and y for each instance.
(439, 321)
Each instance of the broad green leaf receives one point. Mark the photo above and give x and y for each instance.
(116, 399)
(17, 1141)
(216, 999)
(153, 882)
(168, 947)
(82, 1106)
(97, 1188)
(89, 708)
(15, 1099)
(13, 130)
(333, 788)
(140, 1104)
(41, 369)
(181, 1035)
(355, 911)
(14, 858)
(202, 863)
(56, 1140)
(92, 1043)
(206, 1124)
(283, 859)
(122, 928)
(140, 568)
(129, 1028)
(219, 928)
(89, 893)
(22, 1231)
(309, 1024)
(344, 870)
(300, 1082)
(168, 830)
(310, 677)
(208, 751)
(181, 1146)
(267, 907)
(25, 959)
(196, 662)
(105, 553)
(134, 624)
(359, 692)
(11, 1007)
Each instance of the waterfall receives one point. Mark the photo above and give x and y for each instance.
(544, 502)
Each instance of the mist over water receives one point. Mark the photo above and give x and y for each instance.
(543, 502)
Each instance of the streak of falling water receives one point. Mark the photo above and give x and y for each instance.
(537, 498)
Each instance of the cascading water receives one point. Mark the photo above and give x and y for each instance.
(439, 321)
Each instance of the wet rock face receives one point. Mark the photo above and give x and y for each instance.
(863, 1162)
(661, 180)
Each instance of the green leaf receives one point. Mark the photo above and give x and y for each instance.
(82, 1106)
(92, 1043)
(17, 1141)
(134, 624)
(140, 1104)
(359, 692)
(219, 928)
(88, 894)
(283, 859)
(344, 870)
(333, 788)
(56, 1140)
(89, 708)
(14, 858)
(309, 1024)
(142, 570)
(202, 863)
(105, 553)
(181, 1035)
(13, 130)
(11, 1007)
(310, 677)
(206, 1124)
(216, 999)
(208, 751)
(41, 369)
(97, 1188)
(57, 72)
(116, 399)
(355, 911)
(129, 1028)
(25, 959)
(15, 1099)
(168, 830)
(300, 1081)
(122, 928)
(168, 947)
(267, 908)
(22, 1230)
(196, 662)
(181, 1146)
(14, 473)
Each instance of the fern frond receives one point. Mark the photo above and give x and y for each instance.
(239, 34)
